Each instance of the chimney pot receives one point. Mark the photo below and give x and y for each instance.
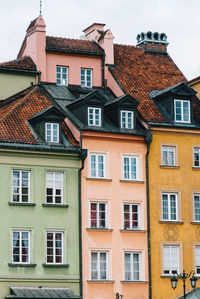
(153, 42)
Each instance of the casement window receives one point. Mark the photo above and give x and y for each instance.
(54, 247)
(132, 266)
(94, 116)
(86, 78)
(170, 259)
(97, 166)
(182, 111)
(197, 259)
(127, 120)
(52, 132)
(196, 199)
(54, 187)
(21, 246)
(99, 265)
(62, 75)
(130, 168)
(21, 186)
(168, 155)
(196, 156)
(98, 215)
(131, 216)
(169, 206)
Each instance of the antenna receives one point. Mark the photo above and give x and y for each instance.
(40, 7)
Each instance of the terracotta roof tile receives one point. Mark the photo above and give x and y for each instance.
(24, 63)
(73, 45)
(139, 72)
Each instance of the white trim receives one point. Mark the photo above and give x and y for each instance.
(130, 215)
(169, 206)
(51, 132)
(167, 149)
(126, 119)
(93, 119)
(84, 83)
(97, 165)
(170, 258)
(54, 187)
(182, 121)
(54, 247)
(97, 220)
(98, 252)
(63, 81)
(20, 185)
(197, 149)
(20, 246)
(139, 253)
(129, 165)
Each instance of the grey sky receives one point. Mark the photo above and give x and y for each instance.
(179, 19)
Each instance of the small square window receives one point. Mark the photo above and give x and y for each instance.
(21, 186)
(127, 119)
(98, 215)
(182, 111)
(86, 78)
(94, 116)
(168, 155)
(130, 168)
(97, 165)
(62, 75)
(54, 187)
(99, 265)
(170, 259)
(169, 207)
(131, 216)
(132, 266)
(52, 132)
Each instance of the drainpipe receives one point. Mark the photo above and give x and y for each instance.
(148, 142)
(103, 70)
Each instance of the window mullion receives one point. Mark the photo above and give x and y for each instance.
(98, 265)
(54, 245)
(20, 247)
(20, 186)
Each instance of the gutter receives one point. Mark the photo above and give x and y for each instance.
(148, 142)
(9, 70)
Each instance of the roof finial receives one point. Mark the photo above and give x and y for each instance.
(40, 7)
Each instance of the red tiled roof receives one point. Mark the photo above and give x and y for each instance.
(24, 63)
(73, 45)
(14, 115)
(140, 72)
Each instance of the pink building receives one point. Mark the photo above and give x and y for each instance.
(107, 123)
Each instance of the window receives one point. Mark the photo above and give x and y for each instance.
(99, 265)
(86, 78)
(130, 166)
(197, 259)
(54, 187)
(170, 259)
(132, 266)
(52, 132)
(21, 186)
(94, 116)
(169, 206)
(131, 216)
(21, 247)
(98, 214)
(127, 119)
(54, 247)
(62, 75)
(182, 111)
(196, 156)
(97, 165)
(168, 155)
(196, 198)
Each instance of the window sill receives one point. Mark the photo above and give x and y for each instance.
(98, 179)
(28, 204)
(21, 265)
(170, 166)
(195, 222)
(99, 229)
(171, 222)
(134, 281)
(55, 265)
(54, 205)
(123, 230)
(196, 167)
(132, 181)
(166, 275)
(100, 281)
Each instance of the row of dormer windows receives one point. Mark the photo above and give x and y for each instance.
(62, 75)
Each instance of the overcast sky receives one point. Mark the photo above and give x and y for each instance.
(179, 19)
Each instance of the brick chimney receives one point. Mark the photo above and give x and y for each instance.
(153, 42)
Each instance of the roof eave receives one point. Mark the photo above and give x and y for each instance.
(74, 52)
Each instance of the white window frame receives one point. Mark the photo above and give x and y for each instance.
(51, 132)
(98, 252)
(54, 247)
(130, 174)
(170, 269)
(97, 155)
(196, 150)
(131, 270)
(63, 81)
(125, 125)
(168, 149)
(182, 115)
(194, 208)
(85, 81)
(94, 121)
(130, 216)
(20, 186)
(98, 203)
(20, 246)
(197, 259)
(169, 194)
(54, 187)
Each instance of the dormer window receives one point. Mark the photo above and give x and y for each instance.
(94, 116)
(62, 75)
(127, 119)
(52, 132)
(86, 78)
(182, 111)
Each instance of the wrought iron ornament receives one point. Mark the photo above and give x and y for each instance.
(40, 7)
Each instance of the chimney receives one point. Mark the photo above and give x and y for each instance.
(94, 31)
(153, 42)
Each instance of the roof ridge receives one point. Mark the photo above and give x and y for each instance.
(68, 38)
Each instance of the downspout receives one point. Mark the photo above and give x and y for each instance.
(83, 156)
(148, 142)
(103, 71)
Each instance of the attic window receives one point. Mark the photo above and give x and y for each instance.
(182, 111)
(127, 118)
(86, 78)
(52, 132)
(94, 116)
(62, 75)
